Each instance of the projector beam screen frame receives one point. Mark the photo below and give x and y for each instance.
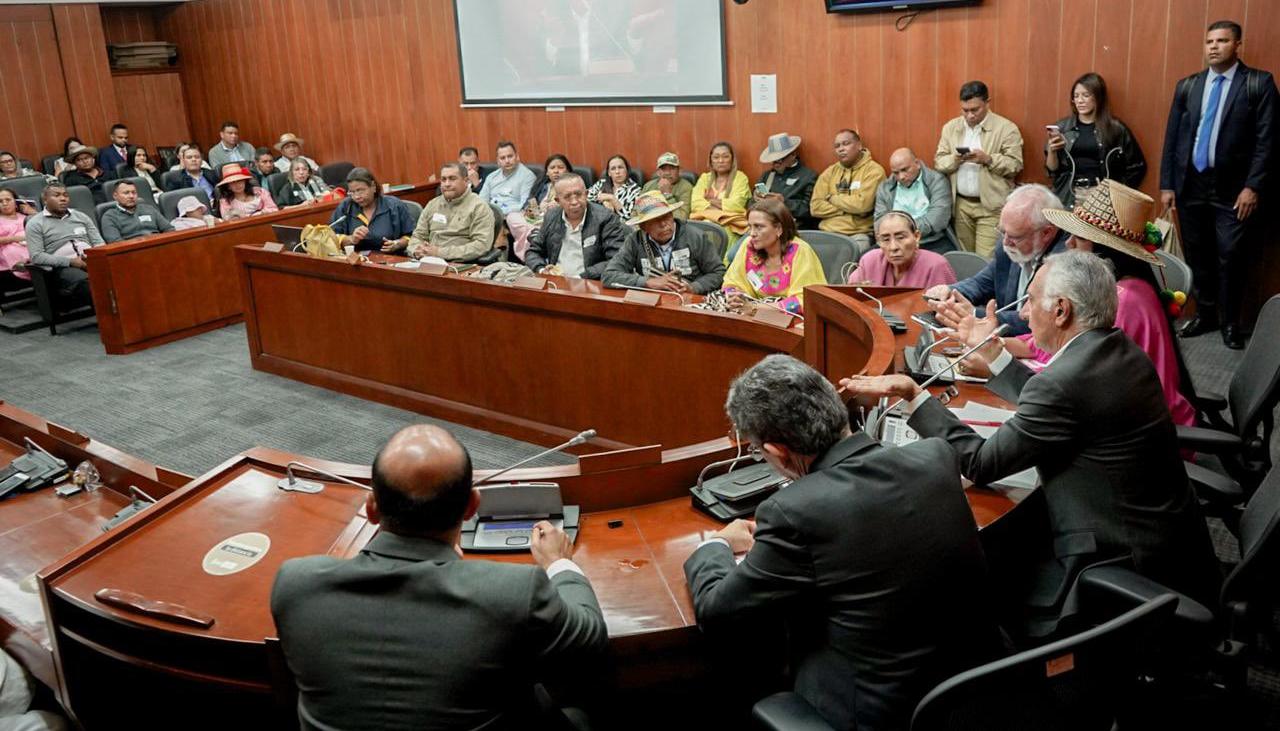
(717, 98)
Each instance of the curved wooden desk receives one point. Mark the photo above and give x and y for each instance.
(171, 286)
(226, 669)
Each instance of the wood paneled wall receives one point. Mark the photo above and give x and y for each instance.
(37, 115)
(154, 107)
(130, 24)
(85, 71)
(389, 96)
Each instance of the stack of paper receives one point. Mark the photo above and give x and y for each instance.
(985, 420)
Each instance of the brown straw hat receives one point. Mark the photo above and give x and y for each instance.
(1113, 215)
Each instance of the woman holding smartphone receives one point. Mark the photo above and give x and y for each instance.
(1089, 145)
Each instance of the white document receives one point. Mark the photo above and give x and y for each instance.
(764, 93)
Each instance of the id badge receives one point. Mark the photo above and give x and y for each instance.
(589, 241)
(680, 261)
(78, 231)
(438, 218)
(146, 217)
(646, 267)
(756, 281)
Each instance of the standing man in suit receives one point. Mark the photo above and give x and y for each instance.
(871, 555)
(1218, 148)
(407, 634)
(1096, 425)
(118, 152)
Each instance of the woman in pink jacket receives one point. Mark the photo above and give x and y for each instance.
(900, 262)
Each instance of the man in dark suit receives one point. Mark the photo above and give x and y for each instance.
(871, 555)
(578, 236)
(1095, 424)
(1218, 148)
(407, 635)
(119, 152)
(1025, 238)
(192, 174)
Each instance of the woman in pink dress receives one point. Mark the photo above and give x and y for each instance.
(900, 262)
(13, 237)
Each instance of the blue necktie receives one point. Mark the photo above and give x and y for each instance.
(1201, 157)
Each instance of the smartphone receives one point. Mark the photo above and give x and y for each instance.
(1053, 129)
(761, 190)
(963, 150)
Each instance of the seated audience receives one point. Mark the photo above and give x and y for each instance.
(181, 149)
(118, 152)
(1026, 238)
(1090, 145)
(470, 159)
(130, 218)
(62, 164)
(844, 197)
(86, 171)
(192, 214)
(721, 195)
(664, 252)
(303, 186)
(871, 556)
(408, 635)
(264, 166)
(140, 167)
(509, 188)
(194, 174)
(543, 198)
(786, 178)
(1096, 425)
(13, 234)
(899, 261)
(1139, 311)
(774, 262)
(616, 190)
(57, 237)
(455, 225)
(673, 187)
(239, 197)
(922, 193)
(369, 220)
(290, 148)
(11, 168)
(577, 238)
(230, 148)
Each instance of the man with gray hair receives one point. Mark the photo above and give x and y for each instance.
(871, 555)
(1095, 424)
(1025, 238)
(455, 225)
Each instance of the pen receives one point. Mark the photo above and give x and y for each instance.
(970, 422)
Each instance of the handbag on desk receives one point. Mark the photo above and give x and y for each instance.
(320, 241)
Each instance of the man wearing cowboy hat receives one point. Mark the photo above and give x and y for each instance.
(786, 178)
(290, 147)
(674, 188)
(86, 171)
(664, 253)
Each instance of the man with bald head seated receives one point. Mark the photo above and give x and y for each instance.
(407, 635)
(921, 192)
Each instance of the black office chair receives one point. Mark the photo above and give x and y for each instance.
(965, 264)
(335, 173)
(82, 199)
(692, 178)
(144, 188)
(495, 254)
(170, 178)
(30, 187)
(637, 175)
(415, 210)
(835, 251)
(168, 157)
(1243, 443)
(483, 170)
(100, 209)
(276, 182)
(588, 175)
(25, 164)
(169, 201)
(54, 310)
(47, 163)
(539, 172)
(716, 234)
(1082, 682)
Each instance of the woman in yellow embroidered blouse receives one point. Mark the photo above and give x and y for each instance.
(721, 195)
(773, 262)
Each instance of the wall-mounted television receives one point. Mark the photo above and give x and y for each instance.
(865, 6)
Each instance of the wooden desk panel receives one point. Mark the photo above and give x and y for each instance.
(534, 365)
(162, 288)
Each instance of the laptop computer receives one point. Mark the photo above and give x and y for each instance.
(506, 515)
(287, 235)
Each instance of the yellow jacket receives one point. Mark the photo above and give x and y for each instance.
(848, 212)
(804, 269)
(732, 214)
(1001, 140)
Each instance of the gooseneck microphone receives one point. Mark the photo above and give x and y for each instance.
(868, 295)
(291, 482)
(580, 438)
(952, 365)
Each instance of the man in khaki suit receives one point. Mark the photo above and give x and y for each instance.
(982, 153)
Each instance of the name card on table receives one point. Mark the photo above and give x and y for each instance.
(774, 316)
(637, 297)
(530, 282)
(275, 248)
(433, 268)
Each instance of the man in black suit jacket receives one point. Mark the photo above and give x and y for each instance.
(407, 635)
(871, 554)
(1215, 169)
(597, 233)
(1095, 424)
(118, 152)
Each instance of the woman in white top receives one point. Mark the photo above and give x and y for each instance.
(616, 190)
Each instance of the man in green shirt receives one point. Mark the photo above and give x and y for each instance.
(455, 225)
(673, 187)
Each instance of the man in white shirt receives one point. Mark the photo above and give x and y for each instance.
(578, 237)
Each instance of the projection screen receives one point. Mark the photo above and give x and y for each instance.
(591, 52)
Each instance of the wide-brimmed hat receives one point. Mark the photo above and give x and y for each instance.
(668, 158)
(286, 138)
(78, 149)
(649, 206)
(233, 171)
(779, 146)
(189, 203)
(1113, 215)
